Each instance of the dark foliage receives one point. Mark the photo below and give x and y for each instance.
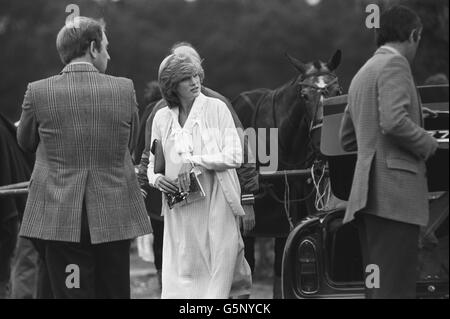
(243, 41)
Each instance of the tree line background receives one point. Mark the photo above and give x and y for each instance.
(242, 41)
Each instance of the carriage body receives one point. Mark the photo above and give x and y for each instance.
(322, 257)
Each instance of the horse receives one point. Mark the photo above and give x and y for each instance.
(15, 167)
(295, 109)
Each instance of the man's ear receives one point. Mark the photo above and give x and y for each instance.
(93, 50)
(414, 36)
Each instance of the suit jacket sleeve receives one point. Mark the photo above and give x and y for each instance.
(347, 132)
(155, 135)
(27, 132)
(134, 134)
(394, 101)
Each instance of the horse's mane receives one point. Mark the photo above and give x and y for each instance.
(285, 85)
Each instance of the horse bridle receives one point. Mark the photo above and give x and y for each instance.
(323, 91)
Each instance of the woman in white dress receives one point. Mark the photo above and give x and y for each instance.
(203, 251)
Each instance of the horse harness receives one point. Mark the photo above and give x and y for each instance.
(323, 91)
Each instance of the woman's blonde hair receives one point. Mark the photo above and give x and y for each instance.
(173, 70)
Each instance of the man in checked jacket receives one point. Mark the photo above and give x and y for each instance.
(383, 122)
(84, 204)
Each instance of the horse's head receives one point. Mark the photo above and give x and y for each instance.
(316, 81)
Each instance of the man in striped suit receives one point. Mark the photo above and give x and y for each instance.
(383, 122)
(84, 204)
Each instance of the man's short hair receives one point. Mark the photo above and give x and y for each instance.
(75, 38)
(396, 25)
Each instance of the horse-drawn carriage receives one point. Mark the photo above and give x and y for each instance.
(322, 257)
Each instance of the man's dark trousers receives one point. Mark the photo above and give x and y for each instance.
(104, 269)
(393, 247)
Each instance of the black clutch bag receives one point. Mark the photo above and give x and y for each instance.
(160, 163)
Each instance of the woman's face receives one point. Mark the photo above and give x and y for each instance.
(189, 88)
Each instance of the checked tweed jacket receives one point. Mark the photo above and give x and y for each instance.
(383, 121)
(82, 125)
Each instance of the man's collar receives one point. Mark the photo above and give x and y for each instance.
(388, 48)
(79, 67)
(81, 62)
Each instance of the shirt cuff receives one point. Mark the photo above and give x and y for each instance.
(152, 178)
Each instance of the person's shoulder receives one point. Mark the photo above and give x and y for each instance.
(121, 81)
(162, 114)
(380, 65)
(390, 59)
(43, 83)
(397, 60)
(394, 67)
(215, 108)
(215, 103)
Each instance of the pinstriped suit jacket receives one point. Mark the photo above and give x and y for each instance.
(383, 122)
(81, 124)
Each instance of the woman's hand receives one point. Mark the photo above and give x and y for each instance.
(166, 185)
(248, 220)
(184, 180)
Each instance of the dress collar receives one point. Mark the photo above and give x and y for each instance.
(183, 142)
(194, 114)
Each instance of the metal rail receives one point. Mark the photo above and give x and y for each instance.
(303, 173)
(15, 186)
(13, 192)
(22, 188)
(14, 189)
